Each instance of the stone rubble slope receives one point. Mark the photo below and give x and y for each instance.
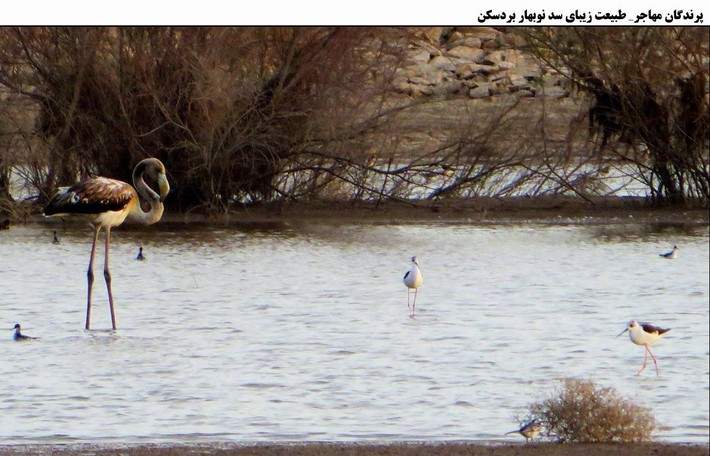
(474, 62)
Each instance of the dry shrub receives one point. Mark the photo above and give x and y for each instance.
(650, 111)
(580, 411)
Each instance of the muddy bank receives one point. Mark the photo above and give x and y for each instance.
(476, 210)
(553, 209)
(354, 449)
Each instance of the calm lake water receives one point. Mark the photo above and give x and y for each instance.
(300, 332)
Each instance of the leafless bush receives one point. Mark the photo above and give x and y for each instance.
(582, 412)
(649, 99)
(248, 115)
(225, 109)
(239, 115)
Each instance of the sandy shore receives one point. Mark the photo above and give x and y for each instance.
(354, 449)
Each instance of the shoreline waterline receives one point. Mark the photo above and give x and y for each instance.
(471, 210)
(405, 448)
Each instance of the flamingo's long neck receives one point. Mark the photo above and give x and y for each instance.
(147, 193)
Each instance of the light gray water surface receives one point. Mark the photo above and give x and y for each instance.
(300, 332)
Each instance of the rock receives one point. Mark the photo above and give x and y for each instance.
(521, 86)
(482, 33)
(485, 61)
(471, 70)
(519, 82)
(437, 76)
(496, 89)
(417, 55)
(517, 88)
(415, 91)
(506, 66)
(466, 71)
(447, 88)
(426, 90)
(401, 85)
(490, 45)
(420, 80)
(513, 40)
(443, 63)
(508, 55)
(466, 53)
(469, 84)
(446, 33)
(468, 41)
(432, 49)
(430, 34)
(525, 65)
(417, 69)
(407, 72)
(479, 92)
(477, 62)
(456, 36)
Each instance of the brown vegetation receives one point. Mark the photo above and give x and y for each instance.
(650, 98)
(581, 412)
(252, 115)
(224, 109)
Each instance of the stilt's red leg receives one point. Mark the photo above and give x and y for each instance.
(654, 359)
(644, 360)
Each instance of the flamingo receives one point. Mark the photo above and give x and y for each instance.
(106, 203)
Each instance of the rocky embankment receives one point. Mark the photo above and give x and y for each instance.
(474, 62)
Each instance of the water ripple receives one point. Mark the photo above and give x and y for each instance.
(301, 333)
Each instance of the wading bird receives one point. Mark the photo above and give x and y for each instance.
(670, 255)
(18, 334)
(529, 431)
(140, 256)
(644, 334)
(106, 203)
(413, 280)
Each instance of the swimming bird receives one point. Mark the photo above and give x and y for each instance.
(670, 255)
(413, 280)
(55, 241)
(140, 256)
(106, 203)
(529, 431)
(644, 334)
(18, 335)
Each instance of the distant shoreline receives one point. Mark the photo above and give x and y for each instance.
(468, 210)
(358, 449)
